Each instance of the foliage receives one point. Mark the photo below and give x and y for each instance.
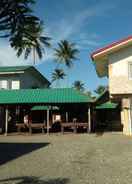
(35, 43)
(58, 74)
(21, 27)
(66, 53)
(79, 85)
(100, 89)
(89, 93)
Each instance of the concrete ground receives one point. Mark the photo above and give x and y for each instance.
(66, 159)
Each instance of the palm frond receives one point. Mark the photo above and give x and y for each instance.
(66, 53)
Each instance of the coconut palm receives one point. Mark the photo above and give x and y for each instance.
(58, 75)
(35, 42)
(15, 20)
(66, 53)
(79, 85)
(100, 89)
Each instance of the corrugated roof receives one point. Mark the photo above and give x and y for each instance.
(107, 105)
(60, 95)
(14, 68)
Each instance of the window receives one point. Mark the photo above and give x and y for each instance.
(130, 70)
(15, 85)
(3, 84)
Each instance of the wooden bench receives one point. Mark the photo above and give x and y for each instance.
(41, 126)
(74, 126)
(30, 126)
(20, 126)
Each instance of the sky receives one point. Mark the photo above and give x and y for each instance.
(90, 24)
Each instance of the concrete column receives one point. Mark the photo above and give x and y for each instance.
(6, 121)
(48, 121)
(66, 116)
(126, 116)
(89, 120)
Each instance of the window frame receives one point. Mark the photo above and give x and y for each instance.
(7, 84)
(14, 82)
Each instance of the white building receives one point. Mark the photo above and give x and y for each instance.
(115, 62)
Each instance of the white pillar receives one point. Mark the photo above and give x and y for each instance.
(48, 121)
(6, 121)
(130, 121)
(89, 120)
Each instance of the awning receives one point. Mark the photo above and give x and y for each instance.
(43, 108)
(107, 105)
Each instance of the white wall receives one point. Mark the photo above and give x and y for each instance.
(119, 82)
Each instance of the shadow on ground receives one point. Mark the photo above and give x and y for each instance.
(10, 151)
(99, 133)
(34, 180)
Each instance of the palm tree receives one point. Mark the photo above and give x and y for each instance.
(34, 42)
(100, 89)
(58, 75)
(66, 53)
(79, 85)
(15, 20)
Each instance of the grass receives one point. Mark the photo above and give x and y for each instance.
(66, 159)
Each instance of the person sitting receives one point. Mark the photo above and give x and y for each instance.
(26, 120)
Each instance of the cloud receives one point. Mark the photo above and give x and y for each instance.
(8, 56)
(73, 27)
(74, 24)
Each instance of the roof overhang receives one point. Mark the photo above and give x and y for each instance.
(43, 108)
(7, 73)
(100, 57)
(107, 105)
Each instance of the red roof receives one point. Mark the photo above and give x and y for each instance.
(110, 46)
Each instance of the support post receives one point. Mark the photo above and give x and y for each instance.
(66, 116)
(89, 120)
(48, 121)
(6, 121)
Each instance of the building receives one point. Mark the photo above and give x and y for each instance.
(22, 77)
(25, 91)
(115, 62)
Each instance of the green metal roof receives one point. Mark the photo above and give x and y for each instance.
(30, 96)
(43, 107)
(107, 105)
(14, 68)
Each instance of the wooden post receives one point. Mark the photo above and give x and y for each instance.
(89, 120)
(48, 121)
(6, 121)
